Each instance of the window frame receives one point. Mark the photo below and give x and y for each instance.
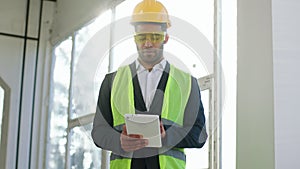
(5, 117)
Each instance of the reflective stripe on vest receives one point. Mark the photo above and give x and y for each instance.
(173, 158)
(176, 96)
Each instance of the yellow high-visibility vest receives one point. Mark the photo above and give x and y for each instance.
(176, 96)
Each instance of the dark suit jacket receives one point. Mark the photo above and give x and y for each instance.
(191, 135)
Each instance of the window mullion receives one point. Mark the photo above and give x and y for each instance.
(104, 153)
(70, 106)
(111, 39)
(217, 100)
(206, 83)
(5, 116)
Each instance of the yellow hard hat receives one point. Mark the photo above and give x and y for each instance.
(150, 11)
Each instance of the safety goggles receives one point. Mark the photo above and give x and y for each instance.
(153, 37)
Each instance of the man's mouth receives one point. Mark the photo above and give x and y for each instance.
(148, 51)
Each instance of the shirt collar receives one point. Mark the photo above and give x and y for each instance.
(159, 66)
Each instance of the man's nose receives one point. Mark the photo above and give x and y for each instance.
(148, 43)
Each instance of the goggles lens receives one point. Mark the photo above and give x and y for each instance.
(153, 37)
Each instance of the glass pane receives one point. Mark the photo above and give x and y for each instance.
(59, 108)
(124, 48)
(189, 62)
(120, 57)
(199, 158)
(197, 13)
(83, 152)
(125, 9)
(85, 79)
(1, 108)
(229, 65)
(184, 16)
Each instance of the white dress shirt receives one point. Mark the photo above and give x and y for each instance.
(149, 80)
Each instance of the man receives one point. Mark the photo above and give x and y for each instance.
(150, 85)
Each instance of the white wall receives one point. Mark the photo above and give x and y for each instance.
(255, 113)
(286, 51)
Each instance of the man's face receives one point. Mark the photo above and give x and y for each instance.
(149, 39)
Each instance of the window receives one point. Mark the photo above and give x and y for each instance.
(83, 152)
(60, 103)
(199, 158)
(73, 99)
(85, 83)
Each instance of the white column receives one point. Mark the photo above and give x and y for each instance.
(255, 102)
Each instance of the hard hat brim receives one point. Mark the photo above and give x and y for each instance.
(152, 17)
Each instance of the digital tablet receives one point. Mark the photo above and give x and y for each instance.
(146, 125)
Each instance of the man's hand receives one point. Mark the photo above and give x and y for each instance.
(162, 130)
(132, 142)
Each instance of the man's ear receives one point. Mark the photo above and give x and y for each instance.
(166, 38)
